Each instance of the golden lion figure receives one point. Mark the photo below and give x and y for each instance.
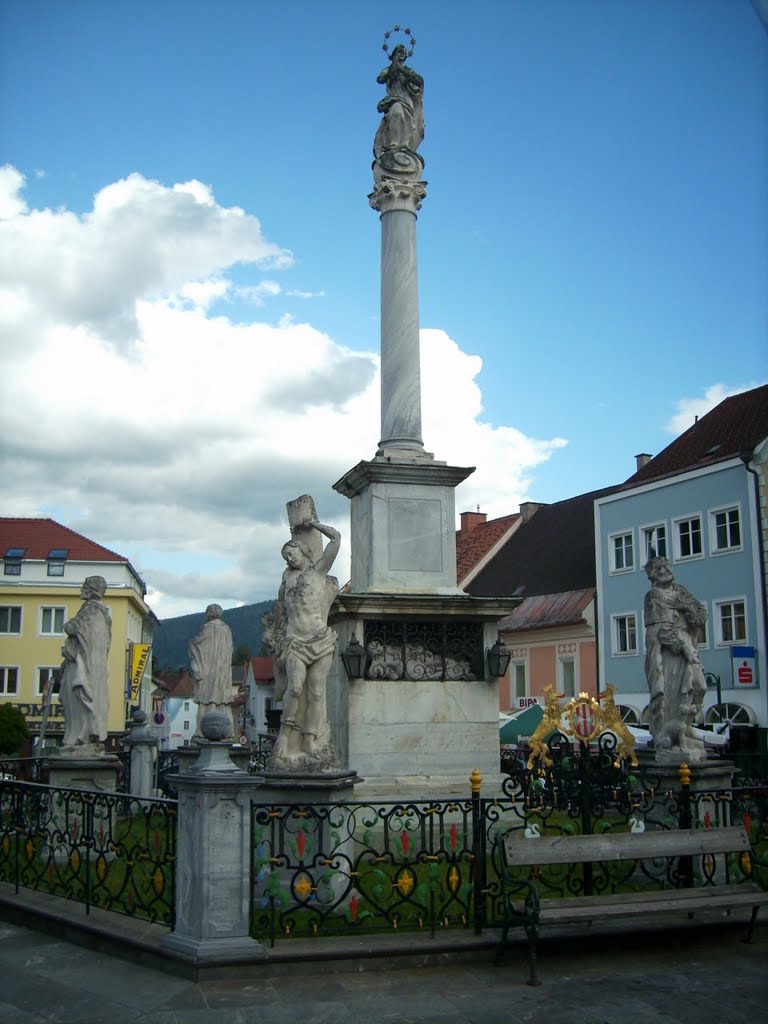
(550, 721)
(612, 720)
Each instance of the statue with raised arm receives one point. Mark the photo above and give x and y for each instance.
(210, 662)
(84, 691)
(401, 130)
(304, 644)
(673, 670)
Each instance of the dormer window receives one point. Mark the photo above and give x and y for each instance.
(13, 558)
(57, 558)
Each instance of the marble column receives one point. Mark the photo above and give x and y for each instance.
(398, 203)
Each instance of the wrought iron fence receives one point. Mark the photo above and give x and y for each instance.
(353, 867)
(425, 866)
(107, 850)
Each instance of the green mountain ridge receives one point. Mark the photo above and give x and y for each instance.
(170, 644)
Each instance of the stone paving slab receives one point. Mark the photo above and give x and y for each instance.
(691, 976)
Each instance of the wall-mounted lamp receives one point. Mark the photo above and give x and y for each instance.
(355, 659)
(499, 657)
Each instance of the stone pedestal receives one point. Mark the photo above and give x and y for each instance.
(407, 734)
(214, 856)
(96, 773)
(708, 776)
(142, 746)
(402, 525)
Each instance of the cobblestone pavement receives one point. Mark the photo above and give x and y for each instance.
(694, 975)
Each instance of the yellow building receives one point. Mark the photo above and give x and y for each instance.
(44, 565)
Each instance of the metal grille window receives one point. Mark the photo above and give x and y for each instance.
(424, 650)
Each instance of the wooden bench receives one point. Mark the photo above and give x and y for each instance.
(531, 911)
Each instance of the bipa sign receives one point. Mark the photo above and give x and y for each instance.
(526, 702)
(744, 668)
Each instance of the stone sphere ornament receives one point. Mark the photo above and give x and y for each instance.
(215, 726)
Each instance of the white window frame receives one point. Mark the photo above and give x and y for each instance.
(612, 538)
(562, 660)
(4, 691)
(615, 635)
(676, 546)
(52, 608)
(50, 669)
(717, 616)
(514, 665)
(13, 632)
(712, 516)
(647, 528)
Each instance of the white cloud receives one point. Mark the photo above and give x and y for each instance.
(687, 409)
(297, 294)
(11, 183)
(181, 449)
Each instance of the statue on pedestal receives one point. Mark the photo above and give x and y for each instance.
(673, 670)
(402, 127)
(210, 660)
(297, 630)
(84, 691)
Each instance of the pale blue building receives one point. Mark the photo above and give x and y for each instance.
(700, 503)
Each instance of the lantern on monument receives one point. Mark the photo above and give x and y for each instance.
(498, 659)
(355, 659)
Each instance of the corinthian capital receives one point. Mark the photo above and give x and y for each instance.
(396, 194)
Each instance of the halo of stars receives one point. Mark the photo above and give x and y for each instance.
(409, 37)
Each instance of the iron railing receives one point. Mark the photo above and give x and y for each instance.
(107, 850)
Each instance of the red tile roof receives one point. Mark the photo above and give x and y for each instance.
(737, 424)
(474, 544)
(546, 610)
(263, 670)
(39, 536)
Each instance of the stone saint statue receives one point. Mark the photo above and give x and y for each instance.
(210, 660)
(303, 644)
(673, 619)
(84, 691)
(402, 127)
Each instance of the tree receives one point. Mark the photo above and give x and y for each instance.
(242, 655)
(13, 729)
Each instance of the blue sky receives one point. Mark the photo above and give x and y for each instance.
(594, 233)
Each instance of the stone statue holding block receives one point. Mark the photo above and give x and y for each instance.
(303, 643)
(673, 670)
(210, 660)
(84, 691)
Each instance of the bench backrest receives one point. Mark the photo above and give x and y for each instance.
(611, 846)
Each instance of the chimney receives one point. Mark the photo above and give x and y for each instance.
(470, 520)
(528, 508)
(642, 460)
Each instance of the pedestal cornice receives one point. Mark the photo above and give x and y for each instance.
(428, 606)
(423, 471)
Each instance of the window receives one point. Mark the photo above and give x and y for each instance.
(10, 619)
(52, 621)
(724, 530)
(622, 553)
(13, 558)
(517, 682)
(731, 621)
(628, 714)
(624, 639)
(57, 558)
(47, 677)
(655, 541)
(186, 705)
(186, 725)
(185, 743)
(9, 680)
(688, 537)
(566, 670)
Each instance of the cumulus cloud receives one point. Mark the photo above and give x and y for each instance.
(175, 434)
(687, 409)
